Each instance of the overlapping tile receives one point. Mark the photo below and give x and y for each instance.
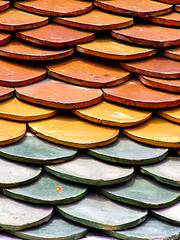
(173, 114)
(4, 5)
(173, 53)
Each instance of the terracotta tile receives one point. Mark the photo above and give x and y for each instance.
(88, 72)
(165, 84)
(70, 130)
(135, 93)
(17, 110)
(157, 66)
(140, 8)
(107, 47)
(112, 114)
(55, 35)
(12, 73)
(22, 50)
(59, 94)
(11, 131)
(170, 19)
(6, 93)
(157, 131)
(177, 7)
(173, 53)
(96, 20)
(172, 114)
(55, 7)
(169, 1)
(148, 34)
(4, 38)
(4, 5)
(14, 19)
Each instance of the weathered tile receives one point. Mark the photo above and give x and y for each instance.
(137, 8)
(157, 131)
(170, 1)
(22, 50)
(173, 53)
(167, 172)
(4, 38)
(96, 20)
(59, 94)
(69, 130)
(56, 228)
(134, 93)
(113, 114)
(172, 85)
(126, 151)
(6, 93)
(142, 192)
(17, 174)
(47, 190)
(55, 35)
(55, 7)
(15, 215)
(100, 212)
(177, 7)
(107, 47)
(4, 5)
(34, 150)
(172, 114)
(148, 34)
(11, 131)
(12, 73)
(84, 169)
(87, 72)
(157, 66)
(18, 110)
(14, 19)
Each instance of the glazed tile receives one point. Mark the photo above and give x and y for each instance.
(55, 35)
(83, 169)
(4, 38)
(15, 215)
(150, 229)
(157, 66)
(172, 114)
(14, 19)
(17, 110)
(177, 8)
(167, 172)
(100, 212)
(139, 8)
(148, 34)
(170, 19)
(127, 151)
(96, 20)
(6, 93)
(22, 50)
(113, 114)
(169, 214)
(67, 129)
(59, 94)
(47, 190)
(107, 47)
(172, 85)
(173, 53)
(55, 7)
(135, 93)
(156, 131)
(88, 72)
(4, 5)
(17, 174)
(11, 131)
(56, 228)
(142, 192)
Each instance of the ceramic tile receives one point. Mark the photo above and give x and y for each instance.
(4, 5)
(88, 72)
(148, 34)
(22, 50)
(139, 8)
(169, 1)
(14, 19)
(55, 35)
(4, 38)
(172, 85)
(177, 8)
(96, 20)
(134, 93)
(51, 93)
(55, 7)
(173, 53)
(107, 47)
(67, 129)
(157, 66)
(173, 114)
(6, 93)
